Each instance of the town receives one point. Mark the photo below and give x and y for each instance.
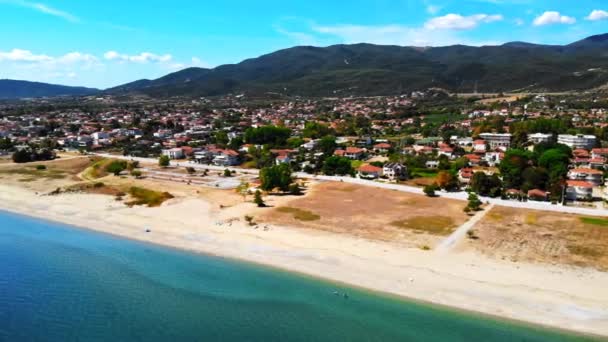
(524, 148)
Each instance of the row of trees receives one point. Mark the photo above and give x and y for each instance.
(27, 155)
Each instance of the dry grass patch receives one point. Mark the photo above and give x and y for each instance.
(372, 213)
(546, 237)
(150, 198)
(299, 214)
(436, 225)
(32, 173)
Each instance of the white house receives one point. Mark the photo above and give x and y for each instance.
(579, 190)
(226, 158)
(577, 141)
(395, 171)
(592, 176)
(497, 140)
(368, 171)
(174, 153)
(538, 138)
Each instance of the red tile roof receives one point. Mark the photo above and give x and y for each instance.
(579, 184)
(367, 168)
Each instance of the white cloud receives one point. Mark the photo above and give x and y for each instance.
(458, 22)
(433, 9)
(519, 22)
(144, 57)
(392, 35)
(596, 15)
(194, 62)
(18, 55)
(42, 8)
(553, 17)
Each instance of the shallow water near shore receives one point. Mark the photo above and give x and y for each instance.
(59, 283)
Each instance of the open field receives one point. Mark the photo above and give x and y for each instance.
(46, 175)
(536, 236)
(370, 213)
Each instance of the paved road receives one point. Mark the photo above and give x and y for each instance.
(450, 242)
(462, 196)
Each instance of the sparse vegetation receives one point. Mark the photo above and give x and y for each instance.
(150, 198)
(299, 214)
(436, 225)
(596, 221)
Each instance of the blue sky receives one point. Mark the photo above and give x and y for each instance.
(106, 43)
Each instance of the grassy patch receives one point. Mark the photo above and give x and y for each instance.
(300, 214)
(355, 164)
(596, 221)
(151, 198)
(531, 219)
(424, 173)
(436, 225)
(97, 169)
(95, 188)
(32, 173)
(584, 251)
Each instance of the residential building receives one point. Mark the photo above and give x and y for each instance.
(577, 141)
(226, 158)
(368, 171)
(592, 176)
(497, 140)
(538, 138)
(395, 171)
(174, 153)
(354, 153)
(579, 190)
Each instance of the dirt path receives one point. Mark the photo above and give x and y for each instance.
(448, 243)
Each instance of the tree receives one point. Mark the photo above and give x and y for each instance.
(190, 170)
(221, 138)
(243, 189)
(227, 173)
(257, 199)
(327, 145)
(429, 190)
(22, 156)
(556, 162)
(447, 181)
(6, 144)
(136, 173)
(512, 167)
(336, 165)
(116, 167)
(315, 130)
(486, 185)
(164, 161)
(474, 202)
(277, 176)
(267, 135)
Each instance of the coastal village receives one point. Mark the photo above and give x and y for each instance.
(494, 148)
(414, 189)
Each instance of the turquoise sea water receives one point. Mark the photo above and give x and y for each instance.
(58, 283)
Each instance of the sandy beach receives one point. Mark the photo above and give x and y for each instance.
(558, 296)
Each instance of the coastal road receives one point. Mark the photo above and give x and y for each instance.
(462, 196)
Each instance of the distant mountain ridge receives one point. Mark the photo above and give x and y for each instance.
(15, 89)
(367, 69)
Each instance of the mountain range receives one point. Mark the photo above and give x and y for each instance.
(13, 89)
(367, 69)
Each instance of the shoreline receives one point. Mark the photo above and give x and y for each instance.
(472, 285)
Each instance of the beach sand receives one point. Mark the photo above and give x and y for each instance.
(564, 297)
